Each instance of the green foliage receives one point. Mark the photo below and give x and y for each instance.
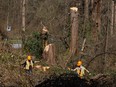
(33, 45)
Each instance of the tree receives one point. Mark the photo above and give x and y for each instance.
(74, 31)
(112, 19)
(23, 14)
(86, 9)
(115, 18)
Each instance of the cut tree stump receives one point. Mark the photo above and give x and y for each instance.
(49, 54)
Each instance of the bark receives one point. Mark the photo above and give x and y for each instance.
(92, 2)
(98, 18)
(112, 19)
(86, 9)
(45, 33)
(106, 39)
(49, 54)
(23, 15)
(23, 22)
(8, 15)
(74, 31)
(115, 19)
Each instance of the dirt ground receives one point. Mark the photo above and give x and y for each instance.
(72, 80)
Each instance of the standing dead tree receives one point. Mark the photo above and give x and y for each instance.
(74, 34)
(74, 31)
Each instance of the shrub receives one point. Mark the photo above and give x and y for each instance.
(33, 45)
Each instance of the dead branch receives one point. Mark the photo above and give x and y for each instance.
(100, 54)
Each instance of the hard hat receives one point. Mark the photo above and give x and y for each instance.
(79, 63)
(29, 58)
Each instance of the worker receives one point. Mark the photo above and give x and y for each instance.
(28, 65)
(81, 69)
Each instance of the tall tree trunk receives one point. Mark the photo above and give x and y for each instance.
(98, 17)
(23, 15)
(8, 13)
(86, 9)
(92, 2)
(23, 22)
(74, 31)
(115, 19)
(106, 38)
(112, 19)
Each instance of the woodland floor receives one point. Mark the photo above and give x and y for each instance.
(72, 80)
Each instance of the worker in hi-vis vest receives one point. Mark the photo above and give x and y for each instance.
(28, 64)
(80, 69)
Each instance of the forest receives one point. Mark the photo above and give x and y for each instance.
(56, 34)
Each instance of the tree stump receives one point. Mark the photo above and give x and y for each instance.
(49, 54)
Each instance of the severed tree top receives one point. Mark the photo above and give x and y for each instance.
(74, 8)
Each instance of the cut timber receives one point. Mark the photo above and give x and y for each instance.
(49, 54)
(42, 68)
(74, 31)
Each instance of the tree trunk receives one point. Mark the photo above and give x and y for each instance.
(115, 19)
(98, 17)
(23, 22)
(86, 9)
(112, 19)
(23, 15)
(74, 31)
(49, 54)
(106, 39)
(92, 2)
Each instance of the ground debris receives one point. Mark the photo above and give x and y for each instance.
(72, 80)
(64, 80)
(102, 80)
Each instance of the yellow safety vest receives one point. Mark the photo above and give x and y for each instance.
(28, 64)
(80, 71)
